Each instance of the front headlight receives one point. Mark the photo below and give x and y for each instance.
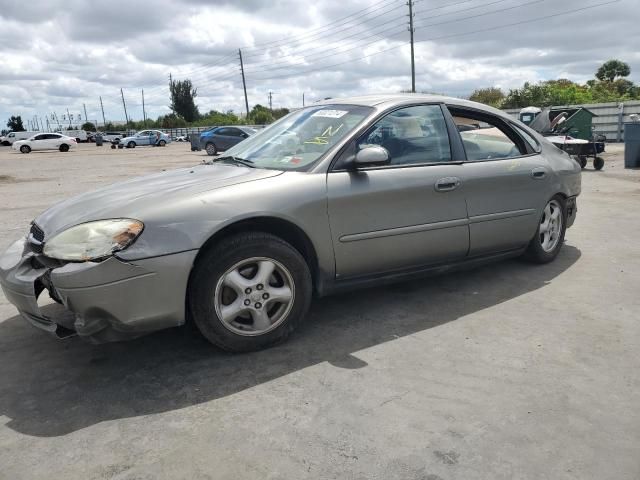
(93, 240)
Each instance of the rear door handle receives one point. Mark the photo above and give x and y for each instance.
(447, 184)
(539, 172)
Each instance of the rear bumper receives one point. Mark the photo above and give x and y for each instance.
(104, 301)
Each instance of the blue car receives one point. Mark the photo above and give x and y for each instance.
(146, 137)
(222, 138)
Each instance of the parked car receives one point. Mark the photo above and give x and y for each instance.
(146, 137)
(12, 137)
(113, 136)
(342, 194)
(219, 139)
(45, 141)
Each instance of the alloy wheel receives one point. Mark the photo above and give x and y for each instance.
(551, 226)
(254, 296)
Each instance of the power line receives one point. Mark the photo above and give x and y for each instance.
(442, 37)
(484, 14)
(288, 39)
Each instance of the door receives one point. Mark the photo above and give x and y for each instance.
(408, 214)
(506, 181)
(39, 142)
(225, 138)
(53, 140)
(143, 138)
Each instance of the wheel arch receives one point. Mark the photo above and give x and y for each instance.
(285, 229)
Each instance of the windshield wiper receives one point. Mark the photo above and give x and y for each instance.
(237, 160)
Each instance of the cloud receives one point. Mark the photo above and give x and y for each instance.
(74, 52)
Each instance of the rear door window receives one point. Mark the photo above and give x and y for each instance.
(486, 137)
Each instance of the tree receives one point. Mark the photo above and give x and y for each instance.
(15, 123)
(260, 115)
(612, 69)
(489, 96)
(183, 100)
(90, 127)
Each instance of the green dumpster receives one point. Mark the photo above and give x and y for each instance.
(579, 121)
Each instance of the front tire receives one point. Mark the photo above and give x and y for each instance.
(25, 148)
(549, 237)
(131, 145)
(583, 161)
(211, 149)
(64, 147)
(249, 292)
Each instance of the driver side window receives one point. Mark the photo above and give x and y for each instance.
(412, 136)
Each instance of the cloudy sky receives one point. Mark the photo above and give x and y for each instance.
(56, 55)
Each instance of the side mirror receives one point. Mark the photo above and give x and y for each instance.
(371, 156)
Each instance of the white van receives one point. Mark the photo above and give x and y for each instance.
(79, 135)
(15, 136)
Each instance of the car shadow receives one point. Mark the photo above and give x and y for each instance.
(51, 388)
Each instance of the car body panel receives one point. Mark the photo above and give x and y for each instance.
(397, 217)
(364, 226)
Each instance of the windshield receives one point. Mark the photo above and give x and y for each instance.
(298, 140)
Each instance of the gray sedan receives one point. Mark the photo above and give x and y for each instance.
(342, 194)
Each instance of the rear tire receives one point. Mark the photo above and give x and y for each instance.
(211, 149)
(162, 143)
(64, 147)
(598, 163)
(234, 276)
(131, 145)
(25, 148)
(547, 242)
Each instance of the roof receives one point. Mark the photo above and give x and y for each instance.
(386, 100)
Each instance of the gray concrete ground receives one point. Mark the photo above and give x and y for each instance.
(511, 371)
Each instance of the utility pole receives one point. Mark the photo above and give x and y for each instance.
(69, 118)
(48, 126)
(411, 31)
(104, 122)
(171, 92)
(244, 83)
(86, 119)
(144, 113)
(126, 117)
(271, 101)
(57, 121)
(303, 99)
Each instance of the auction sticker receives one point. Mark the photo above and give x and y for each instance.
(330, 113)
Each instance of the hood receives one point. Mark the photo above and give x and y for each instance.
(149, 194)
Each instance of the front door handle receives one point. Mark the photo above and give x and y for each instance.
(447, 184)
(539, 172)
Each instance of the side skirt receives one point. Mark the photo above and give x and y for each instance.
(342, 285)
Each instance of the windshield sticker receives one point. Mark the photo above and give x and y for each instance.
(324, 138)
(330, 113)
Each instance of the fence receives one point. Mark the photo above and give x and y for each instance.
(609, 120)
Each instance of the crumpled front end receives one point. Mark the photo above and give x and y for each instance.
(104, 301)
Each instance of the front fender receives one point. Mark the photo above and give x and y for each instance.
(295, 197)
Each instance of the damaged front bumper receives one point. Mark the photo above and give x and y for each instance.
(104, 301)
